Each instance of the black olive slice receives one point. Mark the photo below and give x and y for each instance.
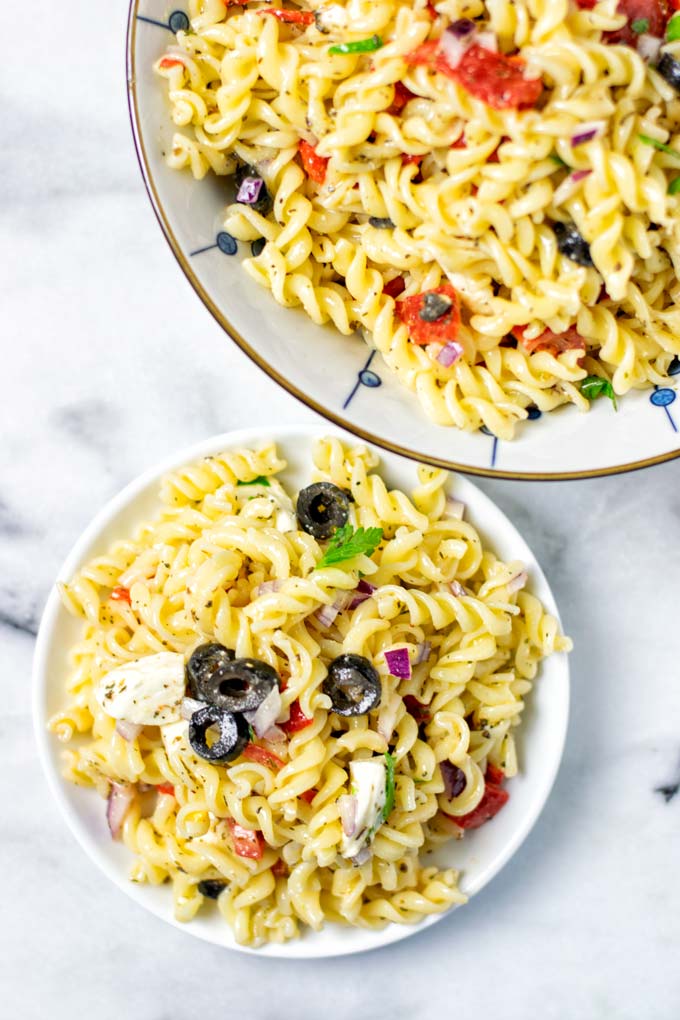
(205, 661)
(434, 307)
(381, 222)
(211, 887)
(321, 508)
(240, 685)
(233, 734)
(669, 68)
(353, 685)
(571, 244)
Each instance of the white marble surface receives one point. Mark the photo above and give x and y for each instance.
(109, 364)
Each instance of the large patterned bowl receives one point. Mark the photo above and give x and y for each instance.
(337, 375)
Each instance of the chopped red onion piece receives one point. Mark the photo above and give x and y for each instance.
(462, 28)
(578, 175)
(363, 591)
(454, 508)
(487, 40)
(517, 582)
(457, 588)
(268, 587)
(449, 354)
(648, 46)
(274, 735)
(189, 706)
(399, 663)
(586, 133)
(363, 856)
(264, 716)
(120, 798)
(569, 186)
(326, 615)
(128, 730)
(454, 47)
(343, 600)
(347, 809)
(250, 189)
(424, 652)
(366, 587)
(454, 778)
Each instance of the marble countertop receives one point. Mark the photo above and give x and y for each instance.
(100, 382)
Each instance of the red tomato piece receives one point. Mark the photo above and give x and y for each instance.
(494, 798)
(493, 774)
(247, 843)
(442, 330)
(279, 868)
(554, 343)
(309, 795)
(393, 288)
(424, 54)
(586, 5)
(171, 62)
(406, 158)
(314, 165)
(298, 720)
(432, 10)
(492, 77)
(121, 594)
(166, 788)
(653, 11)
(294, 17)
(401, 98)
(263, 756)
(417, 709)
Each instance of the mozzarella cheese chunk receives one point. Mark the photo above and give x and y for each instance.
(146, 691)
(368, 785)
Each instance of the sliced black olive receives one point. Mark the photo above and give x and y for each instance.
(205, 661)
(434, 307)
(454, 778)
(240, 685)
(571, 244)
(353, 685)
(381, 222)
(264, 200)
(211, 887)
(669, 68)
(321, 508)
(231, 740)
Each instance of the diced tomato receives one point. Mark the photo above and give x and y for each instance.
(554, 343)
(494, 798)
(121, 594)
(440, 331)
(494, 78)
(460, 143)
(586, 5)
(166, 788)
(431, 10)
(401, 97)
(314, 165)
(309, 795)
(279, 868)
(654, 11)
(294, 17)
(393, 288)
(247, 843)
(417, 709)
(298, 720)
(407, 158)
(263, 756)
(171, 62)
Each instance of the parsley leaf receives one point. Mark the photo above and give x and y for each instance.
(674, 186)
(390, 762)
(673, 30)
(260, 480)
(347, 543)
(594, 386)
(640, 25)
(661, 146)
(557, 159)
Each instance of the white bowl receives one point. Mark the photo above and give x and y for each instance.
(479, 856)
(339, 376)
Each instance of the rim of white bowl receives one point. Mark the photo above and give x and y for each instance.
(286, 384)
(302, 948)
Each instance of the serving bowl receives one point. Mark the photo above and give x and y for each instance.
(479, 856)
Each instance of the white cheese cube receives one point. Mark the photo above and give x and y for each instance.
(146, 691)
(368, 785)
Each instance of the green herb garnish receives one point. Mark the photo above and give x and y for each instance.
(674, 186)
(673, 29)
(558, 159)
(661, 146)
(390, 762)
(251, 732)
(640, 25)
(347, 543)
(260, 480)
(360, 46)
(594, 386)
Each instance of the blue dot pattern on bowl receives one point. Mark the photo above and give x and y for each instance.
(365, 377)
(177, 22)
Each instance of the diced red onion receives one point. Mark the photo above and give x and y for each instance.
(454, 508)
(648, 46)
(424, 651)
(487, 40)
(189, 706)
(399, 663)
(453, 47)
(586, 133)
(517, 582)
(118, 804)
(274, 735)
(268, 587)
(363, 591)
(326, 615)
(457, 589)
(569, 186)
(578, 175)
(363, 856)
(343, 601)
(347, 809)
(250, 189)
(366, 587)
(462, 28)
(454, 778)
(128, 730)
(449, 354)
(264, 716)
